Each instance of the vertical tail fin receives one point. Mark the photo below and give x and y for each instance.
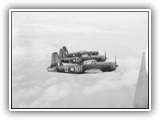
(60, 53)
(58, 61)
(53, 61)
(65, 50)
(63, 53)
(54, 64)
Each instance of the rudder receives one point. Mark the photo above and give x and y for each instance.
(63, 53)
(57, 59)
(53, 60)
(65, 50)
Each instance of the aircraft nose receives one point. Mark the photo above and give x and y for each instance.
(97, 52)
(103, 58)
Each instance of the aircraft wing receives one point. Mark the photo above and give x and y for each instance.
(141, 98)
(93, 71)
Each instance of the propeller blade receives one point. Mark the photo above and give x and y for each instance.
(116, 62)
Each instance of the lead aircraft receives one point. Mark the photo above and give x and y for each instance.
(86, 67)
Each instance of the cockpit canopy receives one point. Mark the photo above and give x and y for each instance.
(85, 55)
(89, 62)
(82, 51)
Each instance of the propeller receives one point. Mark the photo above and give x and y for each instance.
(115, 64)
(105, 55)
(98, 52)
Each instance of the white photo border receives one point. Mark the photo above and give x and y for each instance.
(79, 10)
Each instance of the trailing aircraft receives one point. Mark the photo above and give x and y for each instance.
(86, 67)
(79, 60)
(78, 54)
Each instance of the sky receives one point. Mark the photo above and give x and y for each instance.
(36, 35)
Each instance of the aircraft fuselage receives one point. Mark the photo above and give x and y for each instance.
(79, 69)
(79, 60)
(79, 54)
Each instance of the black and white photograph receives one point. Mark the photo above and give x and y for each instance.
(79, 59)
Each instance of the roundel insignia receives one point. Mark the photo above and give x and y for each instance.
(72, 69)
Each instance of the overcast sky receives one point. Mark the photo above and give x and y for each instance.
(36, 35)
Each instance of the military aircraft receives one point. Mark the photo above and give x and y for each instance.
(79, 60)
(86, 67)
(78, 54)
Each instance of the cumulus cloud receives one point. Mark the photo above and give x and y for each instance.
(37, 51)
(52, 94)
(35, 91)
(46, 93)
(43, 93)
(126, 75)
(50, 81)
(55, 92)
(26, 95)
(107, 83)
(33, 82)
(20, 77)
(20, 94)
(14, 84)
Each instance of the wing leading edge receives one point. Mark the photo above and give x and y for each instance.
(93, 71)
